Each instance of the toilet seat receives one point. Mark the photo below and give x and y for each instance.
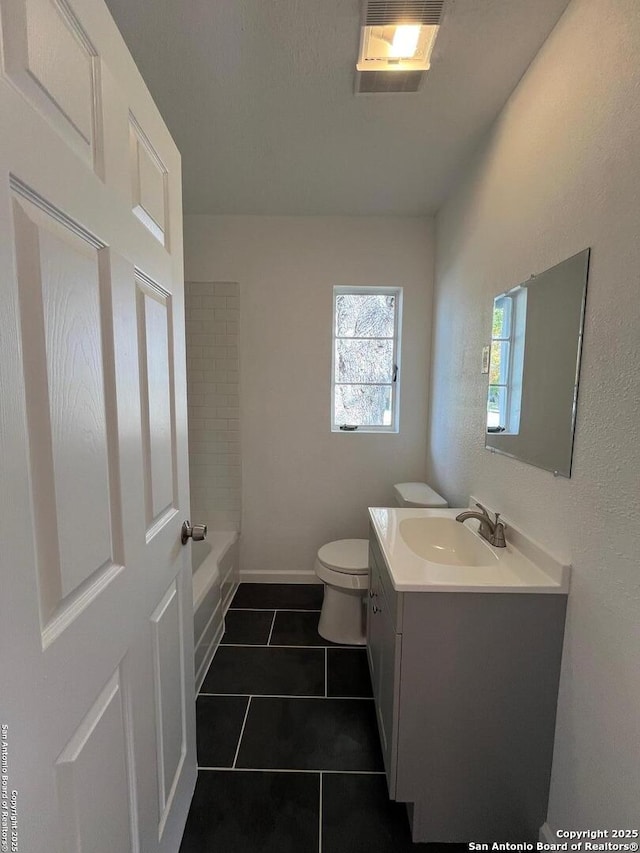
(346, 556)
(341, 580)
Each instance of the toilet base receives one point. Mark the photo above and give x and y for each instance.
(343, 616)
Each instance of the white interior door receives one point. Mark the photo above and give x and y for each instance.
(96, 626)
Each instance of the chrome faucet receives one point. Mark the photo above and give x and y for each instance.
(492, 531)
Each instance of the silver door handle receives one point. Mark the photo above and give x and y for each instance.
(197, 532)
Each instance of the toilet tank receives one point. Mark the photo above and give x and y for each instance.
(417, 494)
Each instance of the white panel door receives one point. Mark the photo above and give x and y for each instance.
(96, 626)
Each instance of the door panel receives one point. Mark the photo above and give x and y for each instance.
(156, 394)
(170, 711)
(100, 741)
(96, 603)
(66, 332)
(59, 281)
(149, 184)
(37, 33)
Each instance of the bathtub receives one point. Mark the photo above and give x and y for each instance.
(215, 579)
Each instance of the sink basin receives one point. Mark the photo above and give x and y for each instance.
(427, 550)
(445, 541)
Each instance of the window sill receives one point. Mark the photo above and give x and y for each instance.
(366, 431)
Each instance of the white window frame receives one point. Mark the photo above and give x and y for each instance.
(506, 400)
(394, 426)
(509, 414)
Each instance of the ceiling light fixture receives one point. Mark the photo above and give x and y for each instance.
(405, 41)
(396, 36)
(402, 47)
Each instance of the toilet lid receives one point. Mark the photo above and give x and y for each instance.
(350, 556)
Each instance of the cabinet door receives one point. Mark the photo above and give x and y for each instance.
(373, 639)
(388, 656)
(384, 652)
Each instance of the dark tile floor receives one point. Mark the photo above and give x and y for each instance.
(288, 750)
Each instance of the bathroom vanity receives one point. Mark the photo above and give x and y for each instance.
(464, 658)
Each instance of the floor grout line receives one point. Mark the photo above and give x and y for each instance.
(326, 675)
(244, 723)
(282, 609)
(292, 770)
(320, 817)
(273, 622)
(288, 696)
(284, 646)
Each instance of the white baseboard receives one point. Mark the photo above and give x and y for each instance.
(279, 577)
(547, 835)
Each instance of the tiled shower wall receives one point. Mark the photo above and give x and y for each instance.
(212, 316)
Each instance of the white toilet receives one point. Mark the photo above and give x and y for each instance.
(343, 566)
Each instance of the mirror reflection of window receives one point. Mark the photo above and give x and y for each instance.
(506, 362)
(536, 337)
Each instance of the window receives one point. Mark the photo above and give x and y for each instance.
(366, 358)
(507, 362)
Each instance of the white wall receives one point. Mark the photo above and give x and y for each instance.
(561, 171)
(303, 485)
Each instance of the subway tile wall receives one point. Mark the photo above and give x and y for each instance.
(212, 318)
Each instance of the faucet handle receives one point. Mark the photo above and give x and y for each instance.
(498, 539)
(484, 510)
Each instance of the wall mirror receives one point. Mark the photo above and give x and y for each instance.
(536, 343)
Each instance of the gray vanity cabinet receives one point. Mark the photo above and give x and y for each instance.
(465, 688)
(384, 653)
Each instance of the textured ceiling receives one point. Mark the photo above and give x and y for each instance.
(258, 95)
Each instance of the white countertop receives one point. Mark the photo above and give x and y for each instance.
(523, 566)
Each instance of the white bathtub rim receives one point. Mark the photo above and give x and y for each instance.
(208, 572)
